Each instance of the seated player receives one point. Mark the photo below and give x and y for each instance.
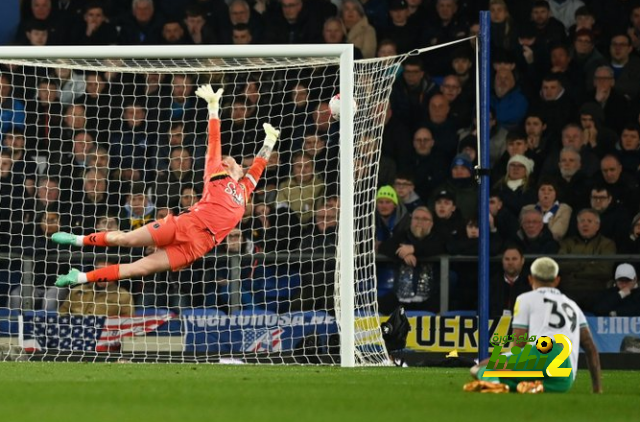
(182, 239)
(545, 311)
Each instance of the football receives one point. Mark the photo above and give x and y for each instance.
(334, 106)
(544, 344)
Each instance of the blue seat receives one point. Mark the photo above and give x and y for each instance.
(419, 314)
(459, 313)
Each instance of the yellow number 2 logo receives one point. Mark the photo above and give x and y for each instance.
(553, 369)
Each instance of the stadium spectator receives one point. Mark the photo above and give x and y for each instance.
(389, 214)
(507, 100)
(334, 32)
(623, 186)
(504, 221)
(565, 10)
(198, 25)
(555, 215)
(142, 26)
(516, 144)
(188, 197)
(537, 141)
(624, 298)
(534, 237)
(502, 25)
(24, 163)
(12, 115)
(399, 29)
(302, 191)
(241, 34)
(138, 210)
(572, 138)
(47, 197)
(462, 184)
(89, 202)
(631, 243)
(614, 105)
(614, 218)
(293, 23)
(516, 188)
(99, 298)
(461, 108)
(240, 13)
(442, 124)
(274, 228)
(179, 173)
(625, 66)
(44, 294)
(173, 33)
(416, 283)
(549, 30)
(586, 56)
(425, 163)
(411, 92)
(41, 10)
(510, 282)
(95, 29)
(377, 12)
(43, 114)
(317, 272)
(630, 148)
(446, 217)
(586, 20)
(37, 32)
(585, 281)
(443, 26)
(556, 107)
(467, 242)
(405, 188)
(634, 29)
(596, 136)
(359, 32)
(71, 84)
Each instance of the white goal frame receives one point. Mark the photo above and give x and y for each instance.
(345, 273)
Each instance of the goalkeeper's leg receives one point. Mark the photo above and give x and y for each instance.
(154, 263)
(138, 238)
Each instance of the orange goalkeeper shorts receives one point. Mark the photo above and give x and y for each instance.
(183, 237)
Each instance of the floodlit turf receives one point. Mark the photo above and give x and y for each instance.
(91, 392)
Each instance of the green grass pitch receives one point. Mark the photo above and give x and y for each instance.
(95, 392)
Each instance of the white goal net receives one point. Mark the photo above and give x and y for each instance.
(115, 143)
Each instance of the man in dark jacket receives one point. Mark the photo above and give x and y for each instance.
(624, 298)
(415, 284)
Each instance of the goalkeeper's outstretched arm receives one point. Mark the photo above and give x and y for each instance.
(250, 179)
(214, 151)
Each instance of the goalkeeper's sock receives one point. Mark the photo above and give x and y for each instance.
(95, 239)
(109, 273)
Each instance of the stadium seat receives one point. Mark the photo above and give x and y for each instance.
(459, 313)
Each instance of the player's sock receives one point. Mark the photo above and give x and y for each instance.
(109, 273)
(95, 239)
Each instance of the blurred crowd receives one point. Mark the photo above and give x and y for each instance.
(86, 151)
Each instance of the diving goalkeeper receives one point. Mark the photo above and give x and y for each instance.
(182, 239)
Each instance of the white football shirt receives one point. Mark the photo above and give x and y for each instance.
(546, 312)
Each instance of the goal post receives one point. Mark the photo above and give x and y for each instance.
(328, 69)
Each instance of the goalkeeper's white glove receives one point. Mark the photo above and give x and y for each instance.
(272, 135)
(212, 98)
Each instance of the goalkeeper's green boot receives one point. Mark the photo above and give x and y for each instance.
(63, 238)
(68, 279)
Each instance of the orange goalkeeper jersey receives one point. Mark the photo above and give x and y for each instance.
(224, 200)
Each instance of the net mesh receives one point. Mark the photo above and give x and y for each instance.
(114, 144)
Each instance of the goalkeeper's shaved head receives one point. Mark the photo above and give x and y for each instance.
(545, 270)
